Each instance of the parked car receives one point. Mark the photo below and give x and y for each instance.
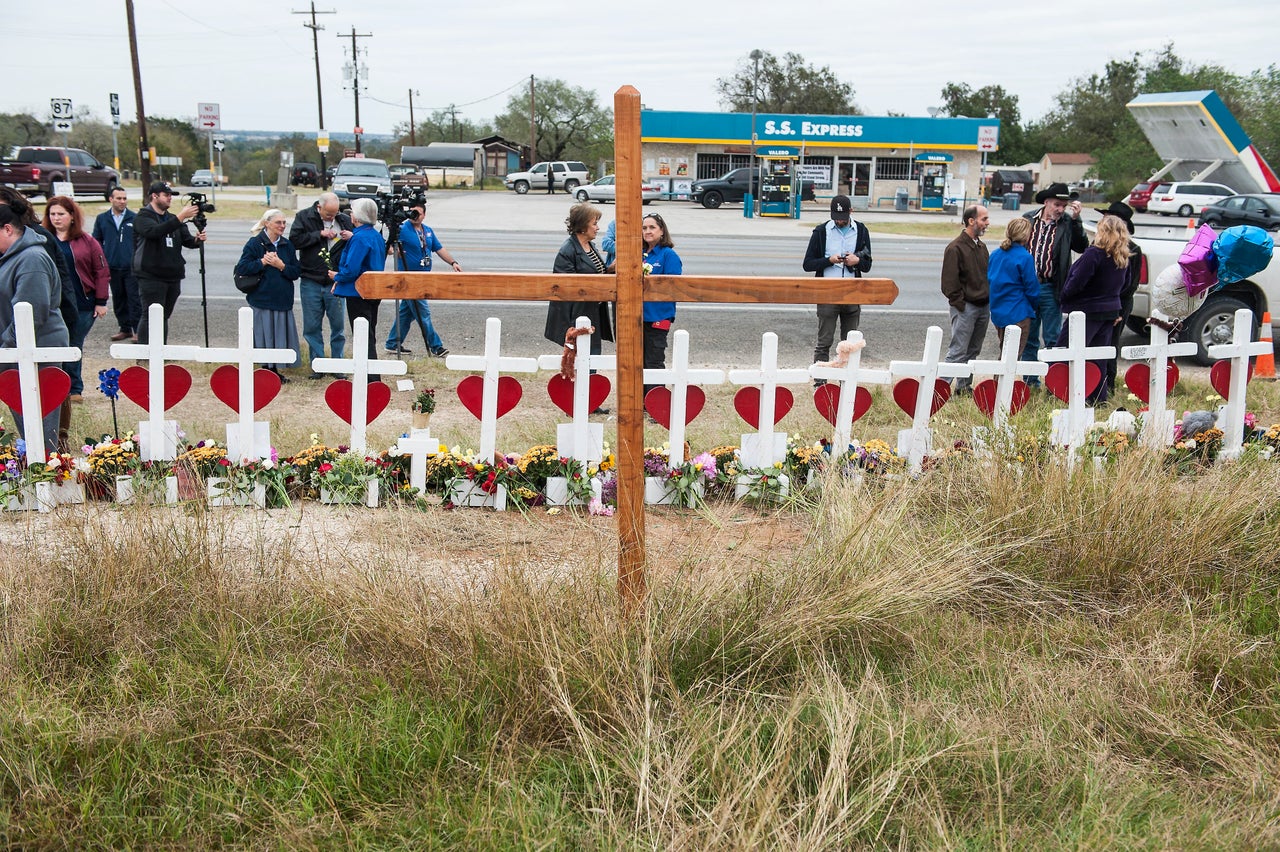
(733, 186)
(570, 174)
(361, 177)
(406, 175)
(1186, 198)
(1140, 195)
(1262, 209)
(205, 177)
(605, 189)
(36, 168)
(305, 174)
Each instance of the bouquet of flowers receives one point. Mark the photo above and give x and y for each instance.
(111, 457)
(203, 459)
(424, 402)
(346, 477)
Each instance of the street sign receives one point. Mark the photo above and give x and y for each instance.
(220, 144)
(988, 137)
(61, 109)
(322, 141)
(115, 109)
(210, 118)
(359, 131)
(62, 126)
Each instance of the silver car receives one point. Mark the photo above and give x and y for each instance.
(606, 189)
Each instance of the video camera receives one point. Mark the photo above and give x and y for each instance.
(203, 206)
(396, 209)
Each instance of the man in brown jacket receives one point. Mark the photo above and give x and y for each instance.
(964, 283)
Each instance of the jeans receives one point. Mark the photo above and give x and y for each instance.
(968, 331)
(318, 302)
(1045, 326)
(125, 300)
(849, 316)
(77, 335)
(413, 311)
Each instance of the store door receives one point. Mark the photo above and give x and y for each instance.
(855, 181)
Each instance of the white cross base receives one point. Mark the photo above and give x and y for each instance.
(761, 449)
(568, 435)
(258, 446)
(1069, 428)
(417, 445)
(914, 443)
(158, 444)
(1239, 350)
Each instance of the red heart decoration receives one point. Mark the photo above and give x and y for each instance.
(1058, 379)
(339, 396)
(225, 383)
(471, 394)
(54, 387)
(826, 398)
(747, 402)
(904, 393)
(1219, 377)
(135, 383)
(984, 396)
(560, 390)
(1138, 380)
(658, 403)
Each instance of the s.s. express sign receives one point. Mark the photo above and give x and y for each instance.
(864, 131)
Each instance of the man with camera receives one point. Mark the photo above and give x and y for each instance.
(320, 233)
(838, 248)
(413, 254)
(159, 238)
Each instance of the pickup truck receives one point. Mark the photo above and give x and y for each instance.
(733, 186)
(407, 176)
(361, 177)
(1215, 321)
(36, 168)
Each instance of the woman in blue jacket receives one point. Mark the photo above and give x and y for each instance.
(660, 256)
(366, 251)
(1014, 287)
(270, 254)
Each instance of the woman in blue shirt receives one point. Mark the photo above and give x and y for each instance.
(366, 251)
(1014, 286)
(270, 254)
(660, 256)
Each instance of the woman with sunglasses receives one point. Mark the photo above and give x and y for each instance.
(661, 259)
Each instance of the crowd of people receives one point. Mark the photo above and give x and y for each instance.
(130, 261)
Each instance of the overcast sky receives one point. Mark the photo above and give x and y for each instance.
(254, 58)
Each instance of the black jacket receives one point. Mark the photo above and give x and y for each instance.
(153, 257)
(1065, 241)
(561, 316)
(815, 257)
(305, 236)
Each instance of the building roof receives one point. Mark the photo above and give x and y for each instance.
(1071, 159)
(457, 155)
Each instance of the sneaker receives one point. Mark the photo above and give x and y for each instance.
(401, 351)
(121, 335)
(439, 352)
(314, 376)
(817, 383)
(75, 397)
(600, 409)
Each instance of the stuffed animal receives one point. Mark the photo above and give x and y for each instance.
(844, 349)
(1195, 422)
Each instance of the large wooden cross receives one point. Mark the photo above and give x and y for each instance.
(629, 288)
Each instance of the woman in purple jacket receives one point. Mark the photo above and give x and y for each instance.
(1094, 285)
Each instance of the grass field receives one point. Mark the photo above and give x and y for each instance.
(987, 657)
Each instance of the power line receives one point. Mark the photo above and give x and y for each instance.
(449, 107)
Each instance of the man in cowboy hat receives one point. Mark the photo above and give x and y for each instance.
(1132, 279)
(1056, 232)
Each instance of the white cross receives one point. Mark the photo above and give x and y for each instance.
(1007, 371)
(28, 356)
(849, 376)
(1077, 355)
(581, 439)
(915, 443)
(359, 366)
(244, 440)
(491, 363)
(680, 377)
(1239, 350)
(1157, 423)
(766, 446)
(417, 446)
(157, 437)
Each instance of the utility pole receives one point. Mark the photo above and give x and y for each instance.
(453, 118)
(413, 138)
(144, 149)
(315, 45)
(533, 128)
(352, 72)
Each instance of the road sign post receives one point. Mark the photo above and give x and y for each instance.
(210, 121)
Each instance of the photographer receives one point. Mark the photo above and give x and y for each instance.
(839, 248)
(157, 259)
(413, 254)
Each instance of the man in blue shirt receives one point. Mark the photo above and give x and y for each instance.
(417, 242)
(114, 230)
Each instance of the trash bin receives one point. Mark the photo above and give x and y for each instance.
(901, 200)
(1011, 200)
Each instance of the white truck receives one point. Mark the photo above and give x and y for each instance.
(1215, 321)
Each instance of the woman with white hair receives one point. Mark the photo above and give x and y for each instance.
(270, 255)
(366, 251)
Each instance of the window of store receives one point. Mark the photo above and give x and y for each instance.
(712, 166)
(893, 168)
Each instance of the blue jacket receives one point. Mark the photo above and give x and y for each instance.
(275, 293)
(664, 262)
(1015, 289)
(117, 243)
(365, 252)
(417, 256)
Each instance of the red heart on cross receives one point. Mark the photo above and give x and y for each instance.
(340, 396)
(1058, 379)
(984, 396)
(54, 387)
(135, 383)
(747, 403)
(904, 394)
(658, 403)
(225, 383)
(1219, 377)
(1138, 380)
(826, 398)
(471, 394)
(560, 390)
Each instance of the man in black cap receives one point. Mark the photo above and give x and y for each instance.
(1056, 232)
(838, 248)
(157, 259)
(1133, 278)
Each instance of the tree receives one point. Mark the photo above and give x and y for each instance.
(569, 124)
(960, 99)
(1260, 114)
(787, 86)
(21, 128)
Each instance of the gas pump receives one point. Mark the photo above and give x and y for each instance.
(933, 180)
(777, 181)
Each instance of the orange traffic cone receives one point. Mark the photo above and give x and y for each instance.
(1265, 366)
(1191, 228)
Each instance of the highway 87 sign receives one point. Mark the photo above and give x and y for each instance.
(210, 118)
(63, 115)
